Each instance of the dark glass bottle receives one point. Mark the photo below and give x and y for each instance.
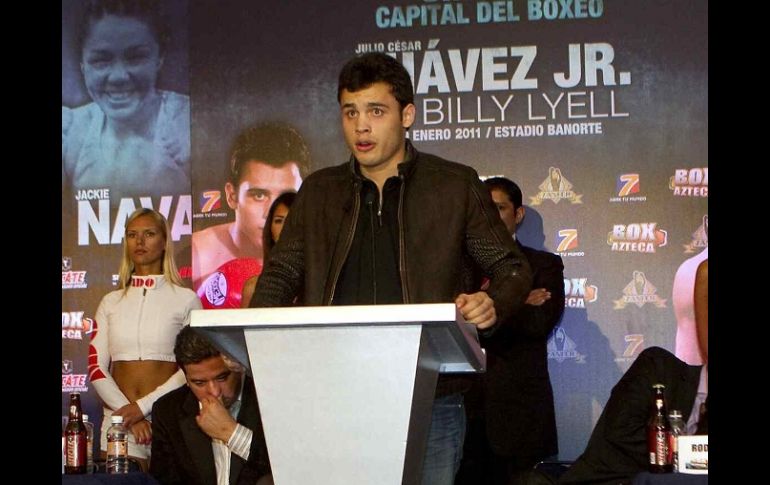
(659, 434)
(76, 439)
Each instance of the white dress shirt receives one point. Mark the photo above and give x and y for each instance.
(700, 398)
(239, 443)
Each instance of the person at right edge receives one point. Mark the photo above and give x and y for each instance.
(617, 449)
(511, 418)
(393, 225)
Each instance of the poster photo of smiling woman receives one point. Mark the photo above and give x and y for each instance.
(125, 119)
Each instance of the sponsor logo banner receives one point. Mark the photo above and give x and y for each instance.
(639, 291)
(555, 188)
(561, 347)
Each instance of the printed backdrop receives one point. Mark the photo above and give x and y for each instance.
(597, 109)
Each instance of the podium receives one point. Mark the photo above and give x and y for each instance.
(345, 392)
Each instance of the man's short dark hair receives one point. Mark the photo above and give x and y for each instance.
(361, 72)
(273, 143)
(508, 186)
(191, 347)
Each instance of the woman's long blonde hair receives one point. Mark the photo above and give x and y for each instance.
(170, 270)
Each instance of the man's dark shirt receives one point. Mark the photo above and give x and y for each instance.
(370, 274)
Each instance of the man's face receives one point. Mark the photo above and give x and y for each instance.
(375, 126)
(121, 61)
(212, 378)
(510, 215)
(260, 184)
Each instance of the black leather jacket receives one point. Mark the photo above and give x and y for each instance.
(450, 236)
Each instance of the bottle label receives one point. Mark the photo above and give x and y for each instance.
(117, 448)
(661, 455)
(76, 450)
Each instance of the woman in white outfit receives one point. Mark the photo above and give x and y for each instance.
(131, 357)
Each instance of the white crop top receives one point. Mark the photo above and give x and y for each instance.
(138, 324)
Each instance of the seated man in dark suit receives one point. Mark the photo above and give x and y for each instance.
(617, 449)
(511, 420)
(208, 432)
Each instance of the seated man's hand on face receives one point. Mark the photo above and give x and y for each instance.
(215, 420)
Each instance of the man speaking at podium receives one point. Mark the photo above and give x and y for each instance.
(393, 225)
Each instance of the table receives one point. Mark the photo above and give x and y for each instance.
(131, 478)
(647, 478)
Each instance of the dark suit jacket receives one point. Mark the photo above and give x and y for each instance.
(181, 452)
(518, 399)
(617, 449)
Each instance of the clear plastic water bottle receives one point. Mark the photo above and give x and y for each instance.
(117, 446)
(90, 451)
(677, 429)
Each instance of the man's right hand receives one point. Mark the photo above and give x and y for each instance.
(215, 420)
